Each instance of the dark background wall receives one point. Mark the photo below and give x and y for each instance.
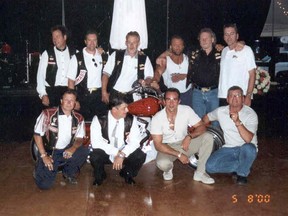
(31, 20)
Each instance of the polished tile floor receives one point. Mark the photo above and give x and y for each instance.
(265, 194)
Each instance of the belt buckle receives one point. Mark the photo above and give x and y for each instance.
(205, 89)
(91, 90)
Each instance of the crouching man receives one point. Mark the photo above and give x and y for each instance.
(63, 129)
(171, 140)
(239, 124)
(115, 140)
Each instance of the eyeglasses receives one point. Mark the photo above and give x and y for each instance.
(235, 95)
(95, 64)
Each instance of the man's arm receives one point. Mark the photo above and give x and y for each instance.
(251, 84)
(71, 84)
(105, 94)
(197, 130)
(47, 160)
(160, 66)
(206, 120)
(163, 148)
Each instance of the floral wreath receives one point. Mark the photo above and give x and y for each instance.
(262, 82)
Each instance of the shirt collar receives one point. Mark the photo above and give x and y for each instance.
(61, 50)
(126, 54)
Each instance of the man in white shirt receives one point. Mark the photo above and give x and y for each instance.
(237, 67)
(172, 141)
(239, 124)
(115, 139)
(53, 67)
(58, 134)
(84, 75)
(174, 69)
(124, 67)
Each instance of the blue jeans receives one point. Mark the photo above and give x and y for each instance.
(204, 102)
(237, 159)
(44, 178)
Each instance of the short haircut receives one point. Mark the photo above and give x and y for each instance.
(91, 31)
(178, 37)
(172, 90)
(60, 28)
(133, 33)
(208, 30)
(116, 100)
(233, 88)
(70, 91)
(231, 25)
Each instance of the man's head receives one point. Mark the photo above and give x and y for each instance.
(91, 41)
(207, 38)
(59, 36)
(68, 101)
(132, 42)
(118, 106)
(231, 35)
(235, 97)
(172, 99)
(177, 45)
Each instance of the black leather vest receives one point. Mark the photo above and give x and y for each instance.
(119, 58)
(52, 67)
(103, 120)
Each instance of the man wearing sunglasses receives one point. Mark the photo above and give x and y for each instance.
(84, 75)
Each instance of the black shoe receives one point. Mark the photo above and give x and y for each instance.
(128, 178)
(97, 182)
(241, 180)
(70, 180)
(234, 175)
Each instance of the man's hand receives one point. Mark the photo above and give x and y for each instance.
(247, 100)
(185, 143)
(176, 77)
(118, 163)
(184, 159)
(69, 152)
(45, 100)
(105, 97)
(48, 162)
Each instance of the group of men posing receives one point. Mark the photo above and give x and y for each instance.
(87, 82)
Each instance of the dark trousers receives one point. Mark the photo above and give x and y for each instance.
(91, 104)
(55, 94)
(131, 165)
(44, 178)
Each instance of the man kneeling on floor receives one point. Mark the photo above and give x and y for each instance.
(171, 140)
(116, 139)
(239, 124)
(63, 128)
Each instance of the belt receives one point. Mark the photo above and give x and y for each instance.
(90, 90)
(204, 89)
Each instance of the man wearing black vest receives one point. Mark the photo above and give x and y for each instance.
(115, 139)
(85, 71)
(124, 67)
(53, 67)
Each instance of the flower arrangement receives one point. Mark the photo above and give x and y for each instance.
(262, 82)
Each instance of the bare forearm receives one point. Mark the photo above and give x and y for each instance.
(251, 83)
(105, 80)
(71, 84)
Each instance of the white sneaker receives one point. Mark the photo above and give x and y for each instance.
(167, 176)
(203, 177)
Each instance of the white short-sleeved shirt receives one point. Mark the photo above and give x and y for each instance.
(171, 68)
(232, 137)
(185, 116)
(94, 72)
(129, 71)
(234, 69)
(64, 129)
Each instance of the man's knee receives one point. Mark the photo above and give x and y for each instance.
(249, 150)
(96, 156)
(164, 164)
